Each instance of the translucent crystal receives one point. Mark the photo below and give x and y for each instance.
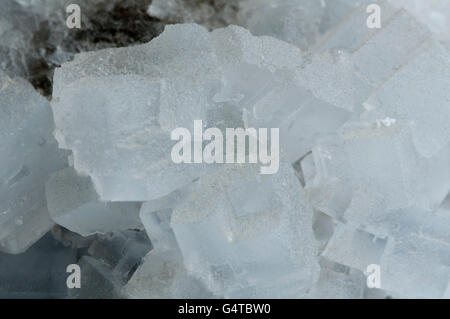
(294, 21)
(240, 233)
(97, 282)
(354, 248)
(352, 165)
(416, 267)
(29, 155)
(121, 252)
(73, 203)
(362, 114)
(129, 159)
(433, 13)
(431, 63)
(338, 282)
(163, 275)
(157, 225)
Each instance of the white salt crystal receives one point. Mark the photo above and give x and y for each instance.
(245, 234)
(74, 204)
(29, 155)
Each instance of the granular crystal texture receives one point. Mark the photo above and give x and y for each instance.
(74, 204)
(239, 233)
(171, 88)
(357, 207)
(29, 154)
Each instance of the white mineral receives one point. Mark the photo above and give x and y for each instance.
(363, 180)
(74, 204)
(29, 154)
(248, 235)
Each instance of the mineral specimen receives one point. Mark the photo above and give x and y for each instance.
(363, 180)
(73, 203)
(29, 154)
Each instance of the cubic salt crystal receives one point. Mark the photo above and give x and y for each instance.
(349, 88)
(323, 227)
(338, 282)
(110, 262)
(416, 267)
(381, 161)
(347, 33)
(403, 35)
(97, 282)
(122, 252)
(73, 203)
(308, 169)
(407, 96)
(162, 275)
(294, 21)
(354, 248)
(433, 13)
(244, 234)
(157, 225)
(29, 155)
(377, 184)
(275, 100)
(174, 80)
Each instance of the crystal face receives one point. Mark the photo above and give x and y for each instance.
(359, 203)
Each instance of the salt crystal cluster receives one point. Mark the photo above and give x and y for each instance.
(363, 179)
(29, 154)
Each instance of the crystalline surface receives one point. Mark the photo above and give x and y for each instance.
(362, 113)
(163, 275)
(354, 248)
(108, 264)
(73, 203)
(433, 13)
(121, 251)
(412, 101)
(416, 267)
(29, 155)
(97, 281)
(338, 282)
(237, 242)
(138, 129)
(294, 21)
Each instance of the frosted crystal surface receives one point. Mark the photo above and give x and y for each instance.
(433, 13)
(163, 275)
(29, 155)
(74, 204)
(138, 130)
(364, 146)
(237, 242)
(425, 261)
(354, 248)
(338, 282)
(412, 102)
